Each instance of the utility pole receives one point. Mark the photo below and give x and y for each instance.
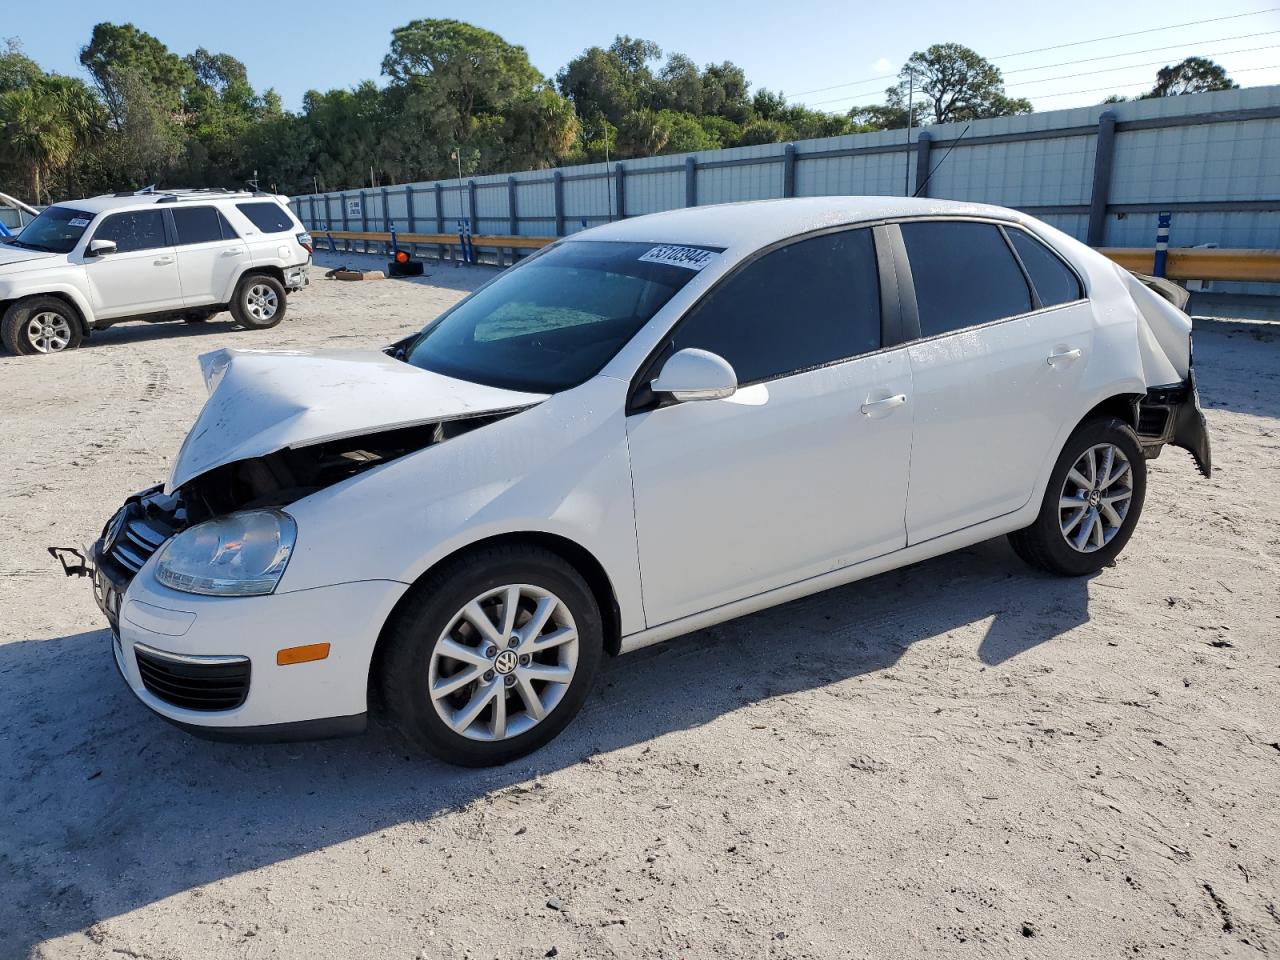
(911, 92)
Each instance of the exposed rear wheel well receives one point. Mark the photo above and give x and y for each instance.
(579, 557)
(1123, 407)
(269, 271)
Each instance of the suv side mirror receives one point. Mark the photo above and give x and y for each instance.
(101, 248)
(694, 374)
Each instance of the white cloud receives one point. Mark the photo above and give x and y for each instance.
(883, 65)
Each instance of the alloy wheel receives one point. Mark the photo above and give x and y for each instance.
(261, 302)
(48, 332)
(1095, 498)
(504, 662)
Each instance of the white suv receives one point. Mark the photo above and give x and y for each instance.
(645, 429)
(154, 255)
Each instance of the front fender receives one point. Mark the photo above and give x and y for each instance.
(559, 468)
(19, 288)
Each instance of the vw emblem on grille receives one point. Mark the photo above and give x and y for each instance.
(505, 662)
(114, 526)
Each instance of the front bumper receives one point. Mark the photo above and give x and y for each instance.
(297, 701)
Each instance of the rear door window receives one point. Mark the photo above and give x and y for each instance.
(1054, 281)
(810, 303)
(964, 274)
(135, 230)
(197, 225)
(266, 216)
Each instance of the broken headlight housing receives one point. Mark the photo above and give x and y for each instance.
(240, 555)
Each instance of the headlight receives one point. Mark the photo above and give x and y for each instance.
(240, 555)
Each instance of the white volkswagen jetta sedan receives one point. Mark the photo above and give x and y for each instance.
(646, 428)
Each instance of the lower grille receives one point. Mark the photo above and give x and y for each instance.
(193, 683)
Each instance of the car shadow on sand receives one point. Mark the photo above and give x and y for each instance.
(109, 809)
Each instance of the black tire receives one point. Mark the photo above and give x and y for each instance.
(1044, 544)
(253, 287)
(420, 622)
(17, 334)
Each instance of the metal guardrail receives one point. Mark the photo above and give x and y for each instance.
(1250, 266)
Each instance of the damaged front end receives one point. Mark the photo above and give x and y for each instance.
(279, 426)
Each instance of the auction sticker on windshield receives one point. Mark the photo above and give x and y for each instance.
(691, 258)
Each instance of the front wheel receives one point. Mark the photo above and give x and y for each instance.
(491, 656)
(40, 325)
(1092, 502)
(259, 302)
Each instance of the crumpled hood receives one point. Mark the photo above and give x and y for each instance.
(11, 257)
(262, 401)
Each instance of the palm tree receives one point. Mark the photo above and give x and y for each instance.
(37, 135)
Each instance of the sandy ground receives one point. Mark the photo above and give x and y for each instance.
(963, 758)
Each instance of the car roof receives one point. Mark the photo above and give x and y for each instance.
(749, 225)
(135, 201)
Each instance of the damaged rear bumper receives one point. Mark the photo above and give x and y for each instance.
(1172, 415)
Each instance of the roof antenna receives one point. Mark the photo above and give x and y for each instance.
(925, 183)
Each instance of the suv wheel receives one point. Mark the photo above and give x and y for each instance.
(259, 302)
(491, 656)
(40, 325)
(1092, 503)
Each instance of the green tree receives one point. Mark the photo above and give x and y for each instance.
(36, 136)
(1192, 75)
(17, 70)
(615, 81)
(956, 84)
(540, 129)
(724, 91)
(114, 49)
(464, 69)
(680, 85)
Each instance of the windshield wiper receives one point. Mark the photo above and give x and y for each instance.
(32, 246)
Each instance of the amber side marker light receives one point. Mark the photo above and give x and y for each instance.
(303, 654)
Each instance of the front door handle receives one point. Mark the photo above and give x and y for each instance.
(162, 261)
(1064, 356)
(879, 408)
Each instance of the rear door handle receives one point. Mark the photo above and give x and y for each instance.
(1064, 356)
(233, 253)
(879, 408)
(162, 261)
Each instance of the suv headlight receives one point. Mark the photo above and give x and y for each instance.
(240, 555)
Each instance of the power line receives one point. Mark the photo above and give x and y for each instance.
(1060, 46)
(1136, 33)
(1068, 93)
(1091, 73)
(1133, 53)
(1134, 66)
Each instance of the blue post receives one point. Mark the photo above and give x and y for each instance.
(1162, 242)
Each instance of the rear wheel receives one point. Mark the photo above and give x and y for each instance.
(1092, 502)
(40, 325)
(492, 655)
(259, 302)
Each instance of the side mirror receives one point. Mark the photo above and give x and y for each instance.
(696, 375)
(101, 248)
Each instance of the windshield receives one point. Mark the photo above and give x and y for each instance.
(56, 230)
(557, 320)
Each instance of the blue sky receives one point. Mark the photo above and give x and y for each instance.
(797, 46)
